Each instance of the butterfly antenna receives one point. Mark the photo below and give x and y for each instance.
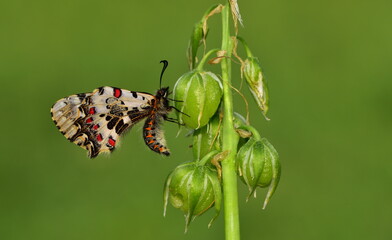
(165, 64)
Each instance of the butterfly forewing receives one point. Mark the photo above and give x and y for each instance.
(95, 120)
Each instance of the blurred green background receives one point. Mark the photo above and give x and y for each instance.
(328, 64)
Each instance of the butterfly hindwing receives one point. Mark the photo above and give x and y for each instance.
(67, 111)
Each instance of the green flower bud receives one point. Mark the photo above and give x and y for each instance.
(198, 94)
(258, 165)
(250, 162)
(199, 34)
(256, 83)
(193, 188)
(207, 138)
(194, 43)
(254, 77)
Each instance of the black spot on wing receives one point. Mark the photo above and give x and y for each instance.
(81, 96)
(101, 90)
(112, 123)
(122, 128)
(119, 125)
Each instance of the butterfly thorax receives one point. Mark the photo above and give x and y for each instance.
(161, 103)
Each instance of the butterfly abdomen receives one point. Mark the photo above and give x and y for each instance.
(153, 135)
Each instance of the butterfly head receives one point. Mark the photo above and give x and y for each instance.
(163, 93)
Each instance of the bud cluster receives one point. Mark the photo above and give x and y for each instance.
(195, 186)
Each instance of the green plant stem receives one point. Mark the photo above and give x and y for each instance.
(230, 138)
(205, 58)
(207, 157)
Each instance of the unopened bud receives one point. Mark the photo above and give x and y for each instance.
(198, 94)
(258, 165)
(193, 188)
(256, 83)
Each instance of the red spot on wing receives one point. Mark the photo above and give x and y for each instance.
(112, 142)
(99, 137)
(117, 92)
(95, 127)
(89, 120)
(92, 111)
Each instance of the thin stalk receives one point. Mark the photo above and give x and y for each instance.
(253, 130)
(230, 138)
(205, 58)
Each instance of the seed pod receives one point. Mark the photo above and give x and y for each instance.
(193, 188)
(198, 94)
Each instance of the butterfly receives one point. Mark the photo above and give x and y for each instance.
(95, 121)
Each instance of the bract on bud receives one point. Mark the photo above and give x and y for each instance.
(238, 120)
(271, 175)
(256, 83)
(198, 94)
(193, 188)
(207, 138)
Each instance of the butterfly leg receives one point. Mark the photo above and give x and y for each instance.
(172, 107)
(173, 120)
(174, 100)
